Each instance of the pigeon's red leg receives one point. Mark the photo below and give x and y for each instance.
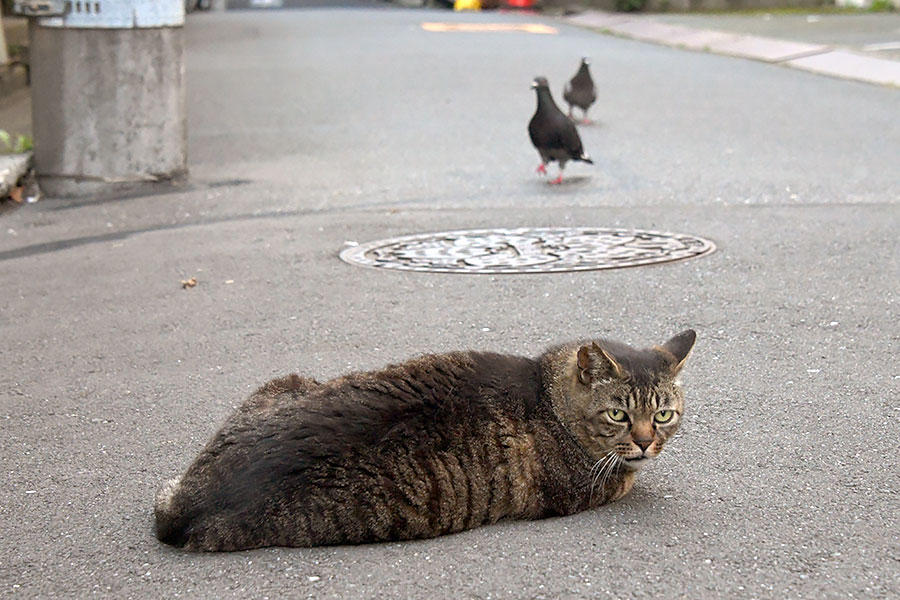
(542, 168)
(557, 180)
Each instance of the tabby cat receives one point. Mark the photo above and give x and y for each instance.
(436, 445)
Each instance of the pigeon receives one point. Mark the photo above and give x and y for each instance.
(553, 133)
(580, 90)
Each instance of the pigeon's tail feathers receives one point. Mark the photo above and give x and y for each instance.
(585, 158)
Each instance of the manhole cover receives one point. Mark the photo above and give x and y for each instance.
(526, 250)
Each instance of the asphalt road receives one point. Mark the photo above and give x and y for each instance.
(310, 129)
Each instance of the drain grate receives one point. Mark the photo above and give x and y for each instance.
(526, 250)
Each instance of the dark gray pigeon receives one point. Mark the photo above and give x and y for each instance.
(580, 90)
(553, 133)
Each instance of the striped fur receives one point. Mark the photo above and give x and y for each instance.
(436, 445)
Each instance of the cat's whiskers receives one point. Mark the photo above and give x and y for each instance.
(606, 462)
(614, 468)
(597, 464)
(601, 466)
(612, 462)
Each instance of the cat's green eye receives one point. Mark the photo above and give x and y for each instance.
(616, 414)
(664, 416)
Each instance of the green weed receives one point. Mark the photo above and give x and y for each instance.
(15, 145)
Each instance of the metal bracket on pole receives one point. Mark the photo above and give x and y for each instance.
(40, 8)
(104, 14)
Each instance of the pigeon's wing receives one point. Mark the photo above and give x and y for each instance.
(542, 131)
(582, 90)
(534, 132)
(591, 93)
(568, 94)
(569, 140)
(547, 135)
(584, 97)
(556, 134)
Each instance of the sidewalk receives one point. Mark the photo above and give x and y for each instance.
(873, 34)
(734, 35)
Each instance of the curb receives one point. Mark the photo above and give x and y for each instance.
(12, 168)
(814, 58)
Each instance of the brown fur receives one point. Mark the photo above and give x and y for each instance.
(436, 445)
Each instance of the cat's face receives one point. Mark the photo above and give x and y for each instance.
(635, 422)
(628, 403)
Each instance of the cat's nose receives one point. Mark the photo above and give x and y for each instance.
(643, 444)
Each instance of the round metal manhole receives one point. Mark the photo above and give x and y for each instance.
(526, 250)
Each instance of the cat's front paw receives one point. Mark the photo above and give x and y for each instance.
(625, 485)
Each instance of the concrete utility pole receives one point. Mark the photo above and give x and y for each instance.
(108, 104)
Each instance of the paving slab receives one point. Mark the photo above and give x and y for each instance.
(765, 49)
(864, 32)
(841, 63)
(598, 19)
(645, 29)
(698, 39)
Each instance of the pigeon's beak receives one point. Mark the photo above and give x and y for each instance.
(534, 84)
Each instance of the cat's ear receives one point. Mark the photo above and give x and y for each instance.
(609, 361)
(680, 348)
(593, 360)
(584, 365)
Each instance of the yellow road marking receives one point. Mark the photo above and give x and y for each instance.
(490, 27)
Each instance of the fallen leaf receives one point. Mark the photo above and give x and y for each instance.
(188, 283)
(15, 194)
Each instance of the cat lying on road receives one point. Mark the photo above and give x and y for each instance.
(436, 445)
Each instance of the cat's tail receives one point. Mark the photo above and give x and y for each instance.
(170, 522)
